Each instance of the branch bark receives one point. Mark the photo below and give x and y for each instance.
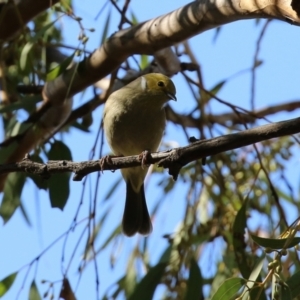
(162, 32)
(13, 16)
(173, 159)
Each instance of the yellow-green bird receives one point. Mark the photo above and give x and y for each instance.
(134, 121)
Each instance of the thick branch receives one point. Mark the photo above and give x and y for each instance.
(14, 16)
(162, 32)
(174, 159)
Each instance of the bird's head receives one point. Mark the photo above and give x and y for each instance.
(158, 85)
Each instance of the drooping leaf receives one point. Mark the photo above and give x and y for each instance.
(58, 184)
(293, 285)
(113, 188)
(33, 292)
(24, 55)
(26, 103)
(253, 277)
(239, 243)
(6, 283)
(194, 283)
(39, 34)
(134, 19)
(228, 289)
(40, 182)
(59, 69)
(146, 288)
(11, 197)
(144, 62)
(242, 258)
(106, 27)
(66, 292)
(275, 243)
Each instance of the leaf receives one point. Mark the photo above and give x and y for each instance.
(146, 288)
(194, 283)
(242, 259)
(206, 97)
(40, 182)
(113, 188)
(293, 284)
(12, 192)
(134, 19)
(217, 32)
(286, 293)
(144, 62)
(42, 31)
(165, 257)
(58, 184)
(239, 244)
(6, 283)
(66, 292)
(26, 103)
(228, 289)
(106, 28)
(253, 277)
(33, 292)
(111, 237)
(80, 126)
(24, 55)
(24, 213)
(55, 72)
(276, 243)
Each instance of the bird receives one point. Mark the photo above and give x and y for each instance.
(134, 122)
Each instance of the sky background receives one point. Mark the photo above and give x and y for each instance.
(222, 57)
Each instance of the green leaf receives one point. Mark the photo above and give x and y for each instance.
(242, 258)
(194, 283)
(42, 31)
(134, 19)
(253, 277)
(24, 55)
(6, 283)
(228, 289)
(239, 244)
(12, 192)
(26, 103)
(165, 257)
(144, 62)
(33, 292)
(40, 182)
(276, 243)
(55, 72)
(80, 126)
(58, 184)
(146, 288)
(25, 214)
(215, 89)
(106, 27)
(113, 188)
(293, 285)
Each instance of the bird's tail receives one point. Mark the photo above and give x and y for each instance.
(136, 216)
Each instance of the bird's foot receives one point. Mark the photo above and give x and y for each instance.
(104, 161)
(145, 158)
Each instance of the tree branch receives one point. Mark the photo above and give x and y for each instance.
(13, 16)
(162, 32)
(173, 159)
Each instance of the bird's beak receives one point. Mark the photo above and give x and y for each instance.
(171, 96)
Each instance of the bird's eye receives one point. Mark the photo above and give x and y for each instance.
(160, 83)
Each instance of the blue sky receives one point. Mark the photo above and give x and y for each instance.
(231, 52)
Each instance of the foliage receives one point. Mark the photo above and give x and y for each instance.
(226, 194)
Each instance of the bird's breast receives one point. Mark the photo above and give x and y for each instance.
(130, 132)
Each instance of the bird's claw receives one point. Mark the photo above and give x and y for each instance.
(145, 158)
(105, 160)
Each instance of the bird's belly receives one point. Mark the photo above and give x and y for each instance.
(142, 133)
